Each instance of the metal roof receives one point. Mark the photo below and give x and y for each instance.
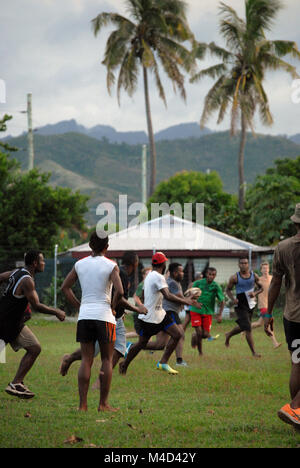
(173, 233)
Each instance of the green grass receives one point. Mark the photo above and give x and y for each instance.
(224, 399)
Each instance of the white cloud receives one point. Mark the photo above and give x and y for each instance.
(51, 51)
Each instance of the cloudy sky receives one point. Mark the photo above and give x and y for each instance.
(47, 47)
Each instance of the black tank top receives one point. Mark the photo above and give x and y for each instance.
(12, 307)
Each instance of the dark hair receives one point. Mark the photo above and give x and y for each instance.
(244, 257)
(173, 267)
(98, 242)
(129, 258)
(31, 256)
(211, 269)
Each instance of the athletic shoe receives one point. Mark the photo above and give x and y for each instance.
(182, 364)
(290, 415)
(212, 338)
(19, 390)
(166, 368)
(128, 346)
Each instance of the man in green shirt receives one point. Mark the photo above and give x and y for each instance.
(201, 315)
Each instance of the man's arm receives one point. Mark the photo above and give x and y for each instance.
(230, 286)
(118, 288)
(29, 291)
(260, 287)
(179, 300)
(5, 276)
(221, 308)
(66, 288)
(274, 291)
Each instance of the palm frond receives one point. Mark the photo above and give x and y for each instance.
(213, 100)
(214, 71)
(104, 19)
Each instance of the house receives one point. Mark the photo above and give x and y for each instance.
(193, 245)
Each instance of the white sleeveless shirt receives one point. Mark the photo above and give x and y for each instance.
(94, 277)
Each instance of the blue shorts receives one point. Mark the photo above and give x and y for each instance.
(120, 343)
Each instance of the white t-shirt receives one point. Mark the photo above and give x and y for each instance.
(153, 283)
(94, 277)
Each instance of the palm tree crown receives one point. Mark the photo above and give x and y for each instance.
(152, 36)
(240, 75)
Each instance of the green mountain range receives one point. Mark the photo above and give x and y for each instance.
(103, 170)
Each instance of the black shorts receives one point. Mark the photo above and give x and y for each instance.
(149, 329)
(244, 317)
(174, 316)
(136, 323)
(95, 330)
(292, 334)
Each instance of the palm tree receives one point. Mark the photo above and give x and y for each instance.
(154, 36)
(240, 75)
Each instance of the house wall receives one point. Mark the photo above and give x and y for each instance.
(226, 267)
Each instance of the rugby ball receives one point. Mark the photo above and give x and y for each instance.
(193, 292)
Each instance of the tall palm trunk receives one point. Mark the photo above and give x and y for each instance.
(241, 163)
(150, 135)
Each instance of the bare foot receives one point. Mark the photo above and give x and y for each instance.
(65, 364)
(257, 356)
(82, 409)
(107, 408)
(122, 368)
(227, 340)
(277, 346)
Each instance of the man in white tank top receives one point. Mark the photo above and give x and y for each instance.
(96, 320)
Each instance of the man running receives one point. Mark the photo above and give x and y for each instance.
(155, 289)
(201, 318)
(265, 280)
(244, 282)
(14, 312)
(286, 263)
(96, 320)
(129, 265)
(172, 309)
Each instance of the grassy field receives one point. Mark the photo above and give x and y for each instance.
(224, 399)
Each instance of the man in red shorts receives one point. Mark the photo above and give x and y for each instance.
(201, 314)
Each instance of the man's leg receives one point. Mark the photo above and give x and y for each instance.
(84, 373)
(106, 350)
(132, 353)
(295, 385)
(258, 323)
(229, 335)
(186, 320)
(28, 341)
(159, 344)
(250, 341)
(29, 358)
(199, 336)
(176, 334)
(68, 360)
(179, 347)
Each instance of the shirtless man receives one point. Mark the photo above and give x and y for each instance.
(265, 279)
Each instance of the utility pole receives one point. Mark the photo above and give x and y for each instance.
(30, 132)
(144, 175)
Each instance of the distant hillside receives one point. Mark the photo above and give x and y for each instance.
(175, 132)
(296, 138)
(104, 170)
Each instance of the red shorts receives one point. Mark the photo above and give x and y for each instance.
(201, 320)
